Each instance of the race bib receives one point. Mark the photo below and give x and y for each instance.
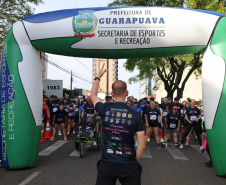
(60, 119)
(193, 118)
(71, 114)
(165, 114)
(153, 117)
(172, 125)
(55, 109)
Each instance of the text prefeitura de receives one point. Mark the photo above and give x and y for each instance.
(130, 12)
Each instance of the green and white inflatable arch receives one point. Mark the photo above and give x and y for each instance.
(120, 32)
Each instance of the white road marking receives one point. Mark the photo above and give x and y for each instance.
(176, 153)
(147, 154)
(30, 178)
(52, 148)
(75, 153)
(196, 147)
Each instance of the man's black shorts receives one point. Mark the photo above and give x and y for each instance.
(76, 119)
(127, 173)
(153, 124)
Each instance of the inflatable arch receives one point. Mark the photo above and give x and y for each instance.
(119, 32)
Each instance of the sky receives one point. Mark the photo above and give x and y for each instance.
(74, 64)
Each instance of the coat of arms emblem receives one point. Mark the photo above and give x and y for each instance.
(84, 24)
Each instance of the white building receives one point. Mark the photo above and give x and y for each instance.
(193, 89)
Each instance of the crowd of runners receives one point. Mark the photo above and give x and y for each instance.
(165, 121)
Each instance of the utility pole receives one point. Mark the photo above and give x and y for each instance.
(107, 74)
(71, 80)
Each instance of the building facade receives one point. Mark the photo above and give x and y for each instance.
(193, 89)
(109, 77)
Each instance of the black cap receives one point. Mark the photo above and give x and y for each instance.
(108, 97)
(52, 96)
(176, 98)
(144, 98)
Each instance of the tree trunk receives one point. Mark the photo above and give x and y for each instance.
(170, 94)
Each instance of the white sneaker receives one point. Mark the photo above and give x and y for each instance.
(181, 146)
(95, 143)
(201, 148)
(59, 133)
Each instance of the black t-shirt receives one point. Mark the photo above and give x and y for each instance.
(66, 106)
(60, 116)
(89, 109)
(120, 123)
(152, 114)
(193, 114)
(54, 105)
(178, 105)
(163, 106)
(183, 111)
(144, 108)
(172, 120)
(68, 101)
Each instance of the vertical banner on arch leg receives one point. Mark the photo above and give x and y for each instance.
(20, 116)
(214, 96)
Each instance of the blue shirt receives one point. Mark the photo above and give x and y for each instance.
(138, 109)
(81, 108)
(142, 105)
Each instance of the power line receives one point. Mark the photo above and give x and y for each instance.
(89, 69)
(63, 65)
(65, 70)
(75, 3)
(61, 4)
(67, 3)
(82, 64)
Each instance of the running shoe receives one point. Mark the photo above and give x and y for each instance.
(181, 146)
(210, 165)
(159, 146)
(203, 151)
(177, 146)
(68, 133)
(148, 140)
(52, 139)
(201, 148)
(168, 140)
(207, 163)
(73, 132)
(186, 143)
(94, 143)
(65, 138)
(162, 140)
(59, 133)
(136, 144)
(163, 145)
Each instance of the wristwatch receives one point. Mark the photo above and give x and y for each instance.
(96, 78)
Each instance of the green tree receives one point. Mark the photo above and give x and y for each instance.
(169, 70)
(12, 11)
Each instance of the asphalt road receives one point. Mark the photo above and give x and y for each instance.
(59, 164)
